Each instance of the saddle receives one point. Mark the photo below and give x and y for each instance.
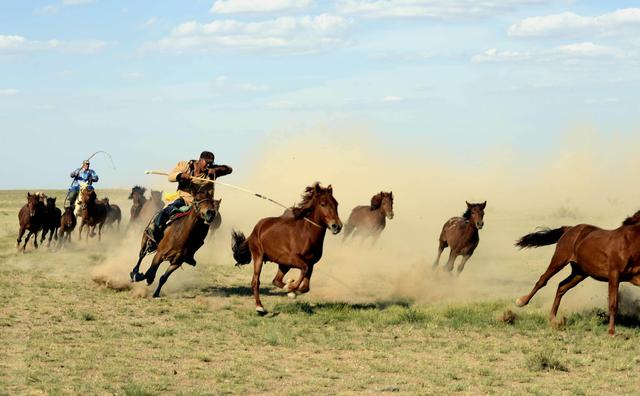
(181, 212)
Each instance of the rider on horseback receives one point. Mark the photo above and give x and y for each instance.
(183, 172)
(83, 174)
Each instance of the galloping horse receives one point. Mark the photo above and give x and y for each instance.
(93, 213)
(370, 220)
(137, 195)
(461, 235)
(182, 238)
(114, 214)
(51, 221)
(67, 225)
(291, 241)
(611, 256)
(31, 217)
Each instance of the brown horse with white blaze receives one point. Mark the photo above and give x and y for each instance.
(31, 218)
(182, 238)
(293, 240)
(370, 220)
(611, 256)
(461, 235)
(93, 213)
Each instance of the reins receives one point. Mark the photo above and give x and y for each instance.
(213, 181)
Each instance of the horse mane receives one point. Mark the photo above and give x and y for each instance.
(139, 189)
(376, 200)
(467, 214)
(632, 220)
(304, 207)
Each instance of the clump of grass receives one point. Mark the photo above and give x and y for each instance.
(409, 316)
(88, 316)
(545, 360)
(295, 308)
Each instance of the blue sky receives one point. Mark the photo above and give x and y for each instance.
(153, 82)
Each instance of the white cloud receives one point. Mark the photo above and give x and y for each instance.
(149, 23)
(437, 9)
(19, 44)
(291, 34)
(47, 10)
(624, 21)
(9, 92)
(241, 6)
(493, 55)
(567, 54)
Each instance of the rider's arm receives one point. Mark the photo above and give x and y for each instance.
(181, 167)
(220, 170)
(94, 177)
(75, 173)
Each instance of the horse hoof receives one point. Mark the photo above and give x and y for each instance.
(520, 302)
(292, 295)
(261, 311)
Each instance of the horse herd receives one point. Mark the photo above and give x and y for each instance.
(295, 239)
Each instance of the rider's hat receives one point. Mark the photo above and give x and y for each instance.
(207, 156)
(85, 162)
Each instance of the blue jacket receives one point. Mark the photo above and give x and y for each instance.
(80, 175)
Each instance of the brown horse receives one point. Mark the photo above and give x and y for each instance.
(151, 207)
(182, 239)
(370, 220)
(611, 256)
(114, 214)
(67, 225)
(461, 235)
(290, 241)
(51, 221)
(93, 213)
(31, 218)
(137, 195)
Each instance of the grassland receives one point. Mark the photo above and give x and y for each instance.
(64, 334)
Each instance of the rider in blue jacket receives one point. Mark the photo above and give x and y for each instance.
(83, 174)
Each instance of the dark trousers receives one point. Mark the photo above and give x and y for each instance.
(167, 211)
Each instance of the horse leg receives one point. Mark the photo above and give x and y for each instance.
(558, 262)
(614, 283)
(135, 274)
(282, 271)
(26, 240)
(35, 239)
(150, 275)
(452, 259)
(304, 267)
(100, 231)
(20, 234)
(306, 281)
(164, 277)
(568, 283)
(441, 246)
(462, 263)
(255, 283)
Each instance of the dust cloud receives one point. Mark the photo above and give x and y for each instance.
(588, 178)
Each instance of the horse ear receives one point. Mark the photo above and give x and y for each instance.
(483, 205)
(330, 189)
(28, 195)
(391, 194)
(54, 199)
(468, 204)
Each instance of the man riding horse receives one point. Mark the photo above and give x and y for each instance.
(84, 175)
(184, 171)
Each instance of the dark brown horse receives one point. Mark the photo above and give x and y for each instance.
(461, 235)
(291, 241)
(31, 218)
(182, 239)
(151, 207)
(137, 195)
(611, 256)
(370, 220)
(93, 213)
(67, 225)
(114, 214)
(51, 222)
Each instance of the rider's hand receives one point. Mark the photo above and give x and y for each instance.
(185, 176)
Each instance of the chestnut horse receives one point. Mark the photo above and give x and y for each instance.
(137, 195)
(370, 220)
(611, 256)
(51, 222)
(67, 225)
(461, 235)
(182, 239)
(31, 218)
(291, 241)
(93, 213)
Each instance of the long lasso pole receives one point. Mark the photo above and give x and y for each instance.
(151, 172)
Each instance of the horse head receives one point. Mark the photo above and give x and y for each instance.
(475, 214)
(320, 203)
(205, 206)
(383, 200)
(51, 203)
(32, 203)
(137, 192)
(156, 196)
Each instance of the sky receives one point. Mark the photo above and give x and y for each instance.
(154, 82)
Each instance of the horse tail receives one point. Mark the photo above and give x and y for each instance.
(544, 237)
(240, 248)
